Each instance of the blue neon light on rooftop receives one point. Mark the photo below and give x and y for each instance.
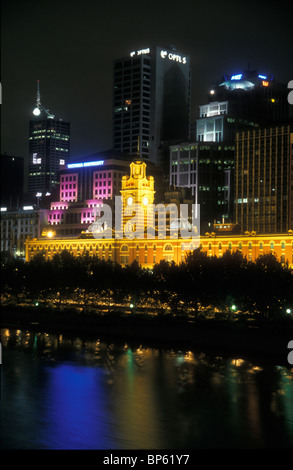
(85, 164)
(263, 77)
(236, 77)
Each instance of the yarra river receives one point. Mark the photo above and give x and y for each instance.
(65, 392)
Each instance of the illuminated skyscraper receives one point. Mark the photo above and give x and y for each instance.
(242, 101)
(49, 148)
(151, 103)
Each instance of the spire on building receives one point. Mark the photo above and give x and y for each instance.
(39, 109)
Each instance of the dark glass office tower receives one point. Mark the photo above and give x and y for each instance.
(151, 102)
(49, 149)
(12, 179)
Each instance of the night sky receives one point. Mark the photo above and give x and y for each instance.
(70, 47)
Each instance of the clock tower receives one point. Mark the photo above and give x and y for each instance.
(137, 199)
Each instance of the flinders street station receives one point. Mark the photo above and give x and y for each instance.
(131, 227)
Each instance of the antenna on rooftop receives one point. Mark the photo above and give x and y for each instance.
(38, 93)
(39, 107)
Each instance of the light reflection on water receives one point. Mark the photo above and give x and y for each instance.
(69, 393)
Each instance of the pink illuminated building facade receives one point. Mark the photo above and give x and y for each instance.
(84, 185)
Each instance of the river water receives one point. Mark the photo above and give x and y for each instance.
(60, 392)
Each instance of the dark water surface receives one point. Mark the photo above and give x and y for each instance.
(71, 393)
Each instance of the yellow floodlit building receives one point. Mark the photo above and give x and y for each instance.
(135, 234)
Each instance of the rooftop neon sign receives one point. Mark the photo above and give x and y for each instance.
(85, 164)
(236, 77)
(142, 51)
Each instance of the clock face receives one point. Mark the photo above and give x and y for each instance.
(130, 201)
(145, 201)
(36, 112)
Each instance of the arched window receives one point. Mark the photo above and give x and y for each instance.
(168, 247)
(261, 245)
(240, 246)
(230, 246)
(283, 244)
(168, 255)
(124, 248)
(220, 246)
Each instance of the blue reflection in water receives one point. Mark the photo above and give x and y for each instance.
(77, 415)
(62, 393)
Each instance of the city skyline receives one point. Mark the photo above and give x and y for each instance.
(72, 55)
(147, 279)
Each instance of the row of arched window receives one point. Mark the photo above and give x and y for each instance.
(167, 247)
(250, 245)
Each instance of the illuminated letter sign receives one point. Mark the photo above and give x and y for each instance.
(140, 52)
(263, 77)
(36, 160)
(174, 57)
(85, 164)
(264, 83)
(143, 51)
(97, 163)
(75, 165)
(236, 77)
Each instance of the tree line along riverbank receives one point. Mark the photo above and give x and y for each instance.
(199, 286)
